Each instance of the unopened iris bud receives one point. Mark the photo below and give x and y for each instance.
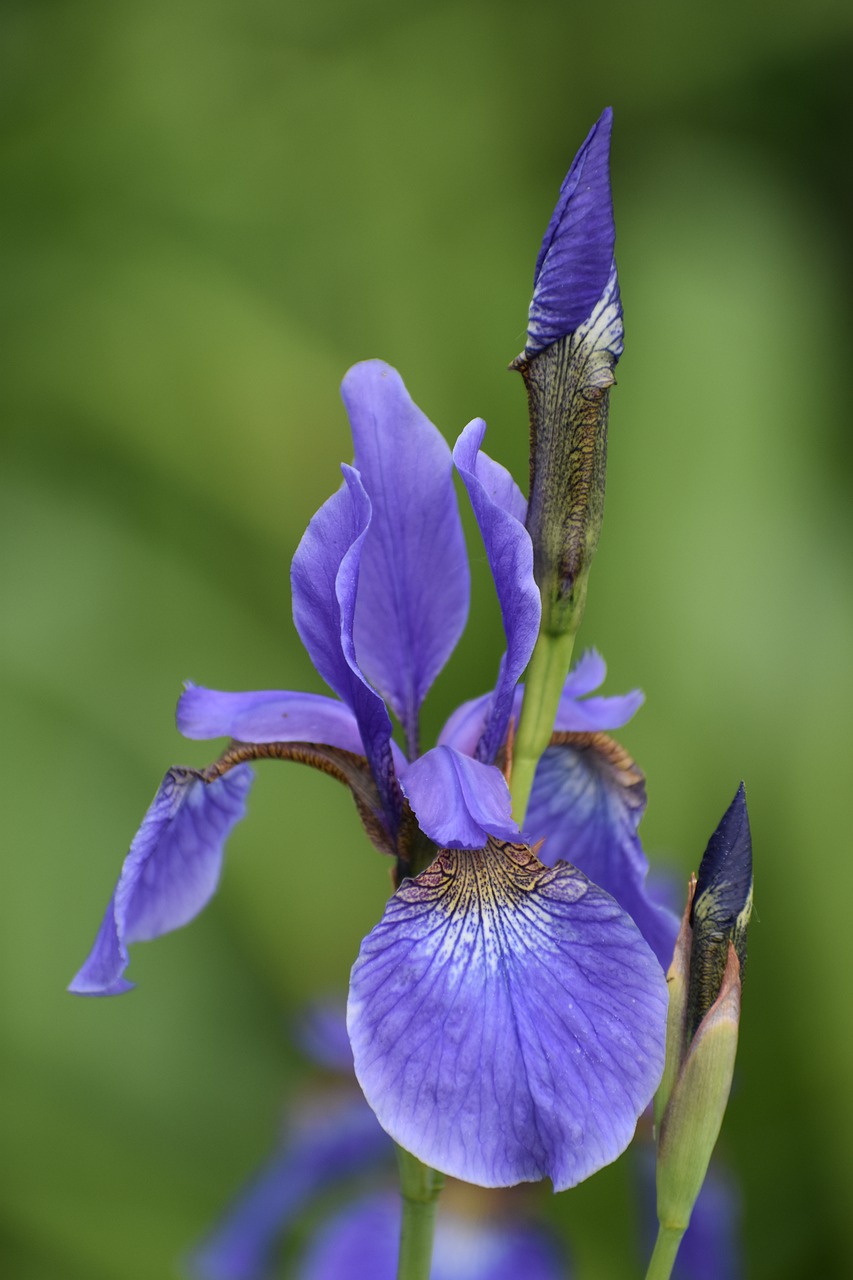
(721, 909)
(704, 1014)
(574, 340)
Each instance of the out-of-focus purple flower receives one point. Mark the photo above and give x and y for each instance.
(321, 1034)
(341, 1141)
(506, 1017)
(361, 1243)
(575, 266)
(710, 1248)
(333, 1141)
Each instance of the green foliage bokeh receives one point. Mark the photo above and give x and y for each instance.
(212, 210)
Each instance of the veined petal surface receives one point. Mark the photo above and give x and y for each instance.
(507, 1019)
(459, 801)
(361, 1241)
(170, 873)
(414, 580)
(587, 801)
(325, 579)
(500, 509)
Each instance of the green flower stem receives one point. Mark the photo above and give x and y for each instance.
(543, 684)
(666, 1248)
(420, 1187)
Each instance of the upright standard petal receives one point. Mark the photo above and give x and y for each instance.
(325, 580)
(575, 259)
(587, 801)
(170, 873)
(459, 801)
(500, 509)
(507, 1019)
(342, 1141)
(414, 581)
(362, 1241)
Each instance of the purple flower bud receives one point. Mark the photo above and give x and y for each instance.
(576, 257)
(721, 908)
(574, 339)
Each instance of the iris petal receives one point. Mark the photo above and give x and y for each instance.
(507, 1020)
(593, 714)
(467, 723)
(267, 716)
(500, 510)
(587, 801)
(464, 726)
(459, 801)
(586, 675)
(414, 580)
(170, 873)
(325, 579)
(362, 1241)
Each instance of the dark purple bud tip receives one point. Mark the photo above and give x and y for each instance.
(721, 907)
(576, 256)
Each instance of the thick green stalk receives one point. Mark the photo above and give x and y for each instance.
(543, 684)
(666, 1248)
(420, 1188)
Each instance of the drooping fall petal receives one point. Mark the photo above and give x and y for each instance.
(507, 1019)
(170, 873)
(587, 801)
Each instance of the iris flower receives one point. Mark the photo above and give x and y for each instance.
(507, 1012)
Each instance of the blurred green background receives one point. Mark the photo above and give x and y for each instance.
(210, 211)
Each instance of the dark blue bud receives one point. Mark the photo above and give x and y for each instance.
(721, 908)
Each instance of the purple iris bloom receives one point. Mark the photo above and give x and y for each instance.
(334, 1140)
(507, 1013)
